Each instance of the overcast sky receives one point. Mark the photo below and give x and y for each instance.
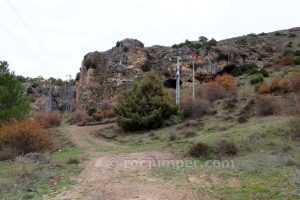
(50, 37)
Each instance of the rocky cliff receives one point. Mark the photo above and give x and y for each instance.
(46, 97)
(104, 75)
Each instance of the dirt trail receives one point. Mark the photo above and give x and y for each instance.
(120, 177)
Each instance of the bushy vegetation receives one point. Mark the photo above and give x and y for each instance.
(281, 85)
(227, 81)
(266, 105)
(257, 78)
(146, 106)
(195, 108)
(294, 115)
(213, 91)
(13, 100)
(25, 136)
(287, 60)
(221, 148)
(48, 120)
(146, 66)
(244, 69)
(79, 116)
(202, 43)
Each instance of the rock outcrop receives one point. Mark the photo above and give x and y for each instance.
(46, 98)
(104, 75)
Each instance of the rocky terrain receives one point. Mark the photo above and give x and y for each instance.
(103, 75)
(48, 97)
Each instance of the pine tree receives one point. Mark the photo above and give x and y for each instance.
(145, 106)
(13, 100)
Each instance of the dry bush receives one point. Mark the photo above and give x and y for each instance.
(24, 137)
(263, 88)
(188, 132)
(287, 60)
(199, 150)
(227, 81)
(226, 147)
(280, 85)
(213, 91)
(108, 114)
(285, 85)
(293, 111)
(266, 105)
(295, 82)
(79, 116)
(275, 85)
(48, 120)
(97, 116)
(195, 108)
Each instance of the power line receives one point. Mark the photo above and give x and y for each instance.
(22, 44)
(34, 36)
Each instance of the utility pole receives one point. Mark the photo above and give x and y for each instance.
(193, 77)
(178, 81)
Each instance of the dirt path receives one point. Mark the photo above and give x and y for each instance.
(120, 177)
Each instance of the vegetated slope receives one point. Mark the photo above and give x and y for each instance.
(104, 75)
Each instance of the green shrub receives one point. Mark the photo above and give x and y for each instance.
(126, 49)
(146, 106)
(297, 60)
(13, 100)
(242, 41)
(292, 35)
(244, 69)
(91, 111)
(90, 64)
(118, 44)
(262, 34)
(212, 42)
(269, 49)
(279, 34)
(288, 52)
(297, 53)
(264, 72)
(290, 44)
(257, 78)
(173, 120)
(252, 35)
(77, 77)
(146, 66)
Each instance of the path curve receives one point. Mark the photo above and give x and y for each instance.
(118, 177)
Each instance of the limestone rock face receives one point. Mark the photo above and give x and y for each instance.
(104, 75)
(45, 97)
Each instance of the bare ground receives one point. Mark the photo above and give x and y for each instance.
(109, 176)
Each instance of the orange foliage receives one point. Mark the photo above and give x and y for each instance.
(295, 81)
(97, 116)
(287, 60)
(109, 114)
(275, 85)
(227, 81)
(24, 137)
(285, 85)
(48, 120)
(264, 88)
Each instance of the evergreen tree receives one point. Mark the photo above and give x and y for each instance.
(146, 106)
(13, 100)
